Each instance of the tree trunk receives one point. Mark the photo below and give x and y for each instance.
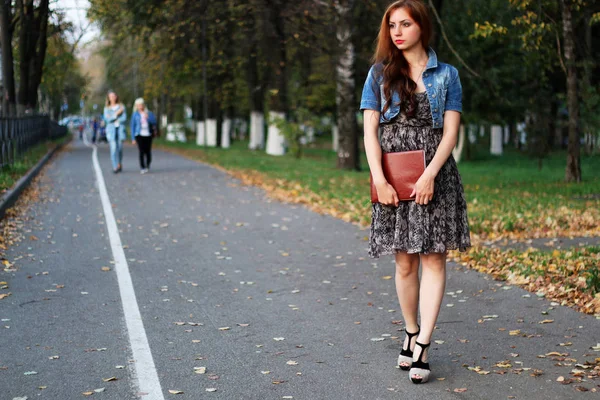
(25, 13)
(257, 93)
(436, 40)
(8, 76)
(39, 45)
(278, 101)
(573, 170)
(346, 94)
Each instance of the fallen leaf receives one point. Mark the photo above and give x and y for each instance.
(175, 391)
(112, 378)
(387, 277)
(88, 393)
(4, 295)
(105, 269)
(292, 362)
(460, 390)
(211, 389)
(200, 370)
(546, 321)
(226, 328)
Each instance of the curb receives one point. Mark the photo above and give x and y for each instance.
(10, 197)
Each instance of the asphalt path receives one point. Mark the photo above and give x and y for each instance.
(269, 300)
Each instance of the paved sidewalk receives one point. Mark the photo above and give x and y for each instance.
(282, 301)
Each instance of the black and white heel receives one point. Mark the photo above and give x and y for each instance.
(420, 371)
(405, 357)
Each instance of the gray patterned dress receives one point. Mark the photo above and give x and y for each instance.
(440, 225)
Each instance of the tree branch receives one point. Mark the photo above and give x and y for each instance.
(439, 20)
(560, 58)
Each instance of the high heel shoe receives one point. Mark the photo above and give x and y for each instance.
(406, 355)
(419, 367)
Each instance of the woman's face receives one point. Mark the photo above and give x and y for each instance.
(404, 31)
(140, 107)
(112, 97)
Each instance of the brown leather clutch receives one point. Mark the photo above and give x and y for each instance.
(402, 170)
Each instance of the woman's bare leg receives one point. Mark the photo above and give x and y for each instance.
(433, 285)
(407, 288)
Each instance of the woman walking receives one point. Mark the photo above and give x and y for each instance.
(115, 117)
(143, 126)
(417, 101)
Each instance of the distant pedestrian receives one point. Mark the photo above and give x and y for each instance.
(95, 126)
(417, 101)
(143, 129)
(115, 117)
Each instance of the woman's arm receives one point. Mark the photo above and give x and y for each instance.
(151, 118)
(385, 192)
(447, 144)
(425, 186)
(132, 126)
(123, 116)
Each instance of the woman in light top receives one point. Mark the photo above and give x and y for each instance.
(115, 117)
(143, 129)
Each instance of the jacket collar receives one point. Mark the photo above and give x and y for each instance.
(433, 62)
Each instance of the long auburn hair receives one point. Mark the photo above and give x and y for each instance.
(396, 71)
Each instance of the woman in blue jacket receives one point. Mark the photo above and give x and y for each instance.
(115, 117)
(417, 101)
(143, 128)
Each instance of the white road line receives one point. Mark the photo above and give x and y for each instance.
(144, 376)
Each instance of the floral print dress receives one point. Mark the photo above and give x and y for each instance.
(440, 225)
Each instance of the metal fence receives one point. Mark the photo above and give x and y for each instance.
(18, 134)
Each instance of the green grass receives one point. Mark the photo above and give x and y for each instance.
(510, 190)
(11, 174)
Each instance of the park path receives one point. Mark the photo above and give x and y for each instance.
(274, 300)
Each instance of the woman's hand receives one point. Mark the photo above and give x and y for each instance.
(119, 111)
(133, 141)
(386, 194)
(423, 190)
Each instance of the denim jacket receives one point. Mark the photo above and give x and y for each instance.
(136, 123)
(110, 116)
(442, 83)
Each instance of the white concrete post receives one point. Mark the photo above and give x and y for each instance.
(257, 130)
(211, 132)
(275, 139)
(200, 133)
(336, 138)
(496, 140)
(226, 133)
